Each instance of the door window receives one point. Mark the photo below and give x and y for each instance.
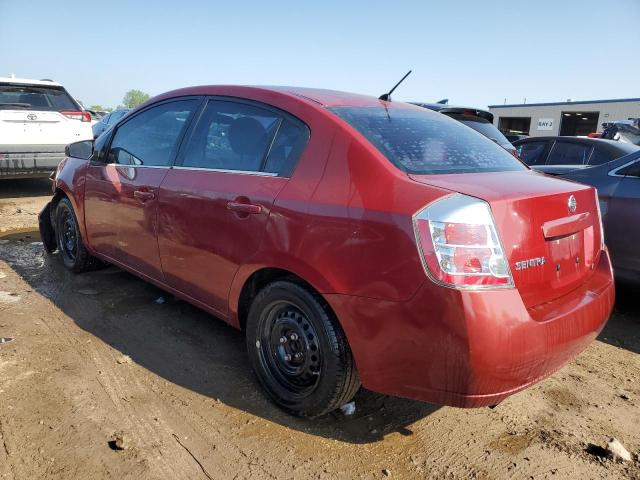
(600, 156)
(243, 137)
(566, 153)
(632, 170)
(150, 138)
(532, 153)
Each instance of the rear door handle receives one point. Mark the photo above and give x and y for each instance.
(244, 207)
(144, 195)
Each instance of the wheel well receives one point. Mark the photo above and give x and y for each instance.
(260, 279)
(57, 196)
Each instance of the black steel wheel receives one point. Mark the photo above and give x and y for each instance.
(73, 252)
(298, 350)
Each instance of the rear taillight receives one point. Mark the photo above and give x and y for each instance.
(459, 244)
(77, 115)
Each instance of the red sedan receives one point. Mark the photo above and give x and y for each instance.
(354, 241)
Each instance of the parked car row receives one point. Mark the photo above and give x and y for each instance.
(614, 169)
(355, 240)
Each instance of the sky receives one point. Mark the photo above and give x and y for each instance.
(475, 53)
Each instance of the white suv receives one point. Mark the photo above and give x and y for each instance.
(38, 118)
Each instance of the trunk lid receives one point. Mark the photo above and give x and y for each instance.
(551, 249)
(34, 127)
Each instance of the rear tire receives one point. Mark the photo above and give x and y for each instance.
(298, 350)
(72, 250)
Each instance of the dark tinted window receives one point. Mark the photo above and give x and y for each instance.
(483, 126)
(532, 153)
(99, 150)
(566, 153)
(632, 170)
(114, 116)
(232, 136)
(600, 156)
(31, 97)
(287, 147)
(150, 137)
(425, 142)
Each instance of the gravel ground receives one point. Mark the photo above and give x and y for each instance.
(102, 381)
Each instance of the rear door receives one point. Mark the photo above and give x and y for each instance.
(623, 219)
(213, 206)
(121, 188)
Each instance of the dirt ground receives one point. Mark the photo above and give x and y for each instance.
(99, 353)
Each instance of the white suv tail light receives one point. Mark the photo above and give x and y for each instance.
(77, 115)
(459, 245)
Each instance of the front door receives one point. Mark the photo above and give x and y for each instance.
(215, 203)
(121, 191)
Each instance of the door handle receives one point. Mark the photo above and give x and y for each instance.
(144, 195)
(244, 207)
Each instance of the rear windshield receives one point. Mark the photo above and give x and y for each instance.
(424, 142)
(483, 126)
(35, 97)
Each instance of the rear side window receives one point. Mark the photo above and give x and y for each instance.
(600, 156)
(424, 142)
(242, 137)
(34, 97)
(532, 153)
(632, 170)
(566, 153)
(150, 138)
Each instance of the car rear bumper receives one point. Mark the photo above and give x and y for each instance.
(29, 161)
(470, 348)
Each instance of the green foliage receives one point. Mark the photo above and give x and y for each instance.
(99, 108)
(133, 98)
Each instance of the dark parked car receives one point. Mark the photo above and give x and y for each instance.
(108, 120)
(513, 137)
(618, 184)
(351, 239)
(623, 131)
(480, 120)
(557, 155)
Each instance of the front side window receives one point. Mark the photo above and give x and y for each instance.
(424, 142)
(150, 138)
(532, 153)
(566, 153)
(242, 137)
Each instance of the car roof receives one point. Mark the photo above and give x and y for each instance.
(29, 81)
(316, 96)
(623, 147)
(455, 109)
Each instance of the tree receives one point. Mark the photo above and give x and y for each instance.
(133, 98)
(99, 108)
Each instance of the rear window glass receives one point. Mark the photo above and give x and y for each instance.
(423, 142)
(483, 126)
(34, 97)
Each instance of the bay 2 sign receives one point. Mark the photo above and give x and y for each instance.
(545, 124)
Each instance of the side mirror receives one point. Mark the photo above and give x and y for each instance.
(82, 150)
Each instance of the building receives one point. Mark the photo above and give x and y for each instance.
(563, 118)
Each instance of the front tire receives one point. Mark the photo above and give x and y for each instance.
(298, 350)
(72, 250)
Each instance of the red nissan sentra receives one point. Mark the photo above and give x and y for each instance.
(354, 241)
